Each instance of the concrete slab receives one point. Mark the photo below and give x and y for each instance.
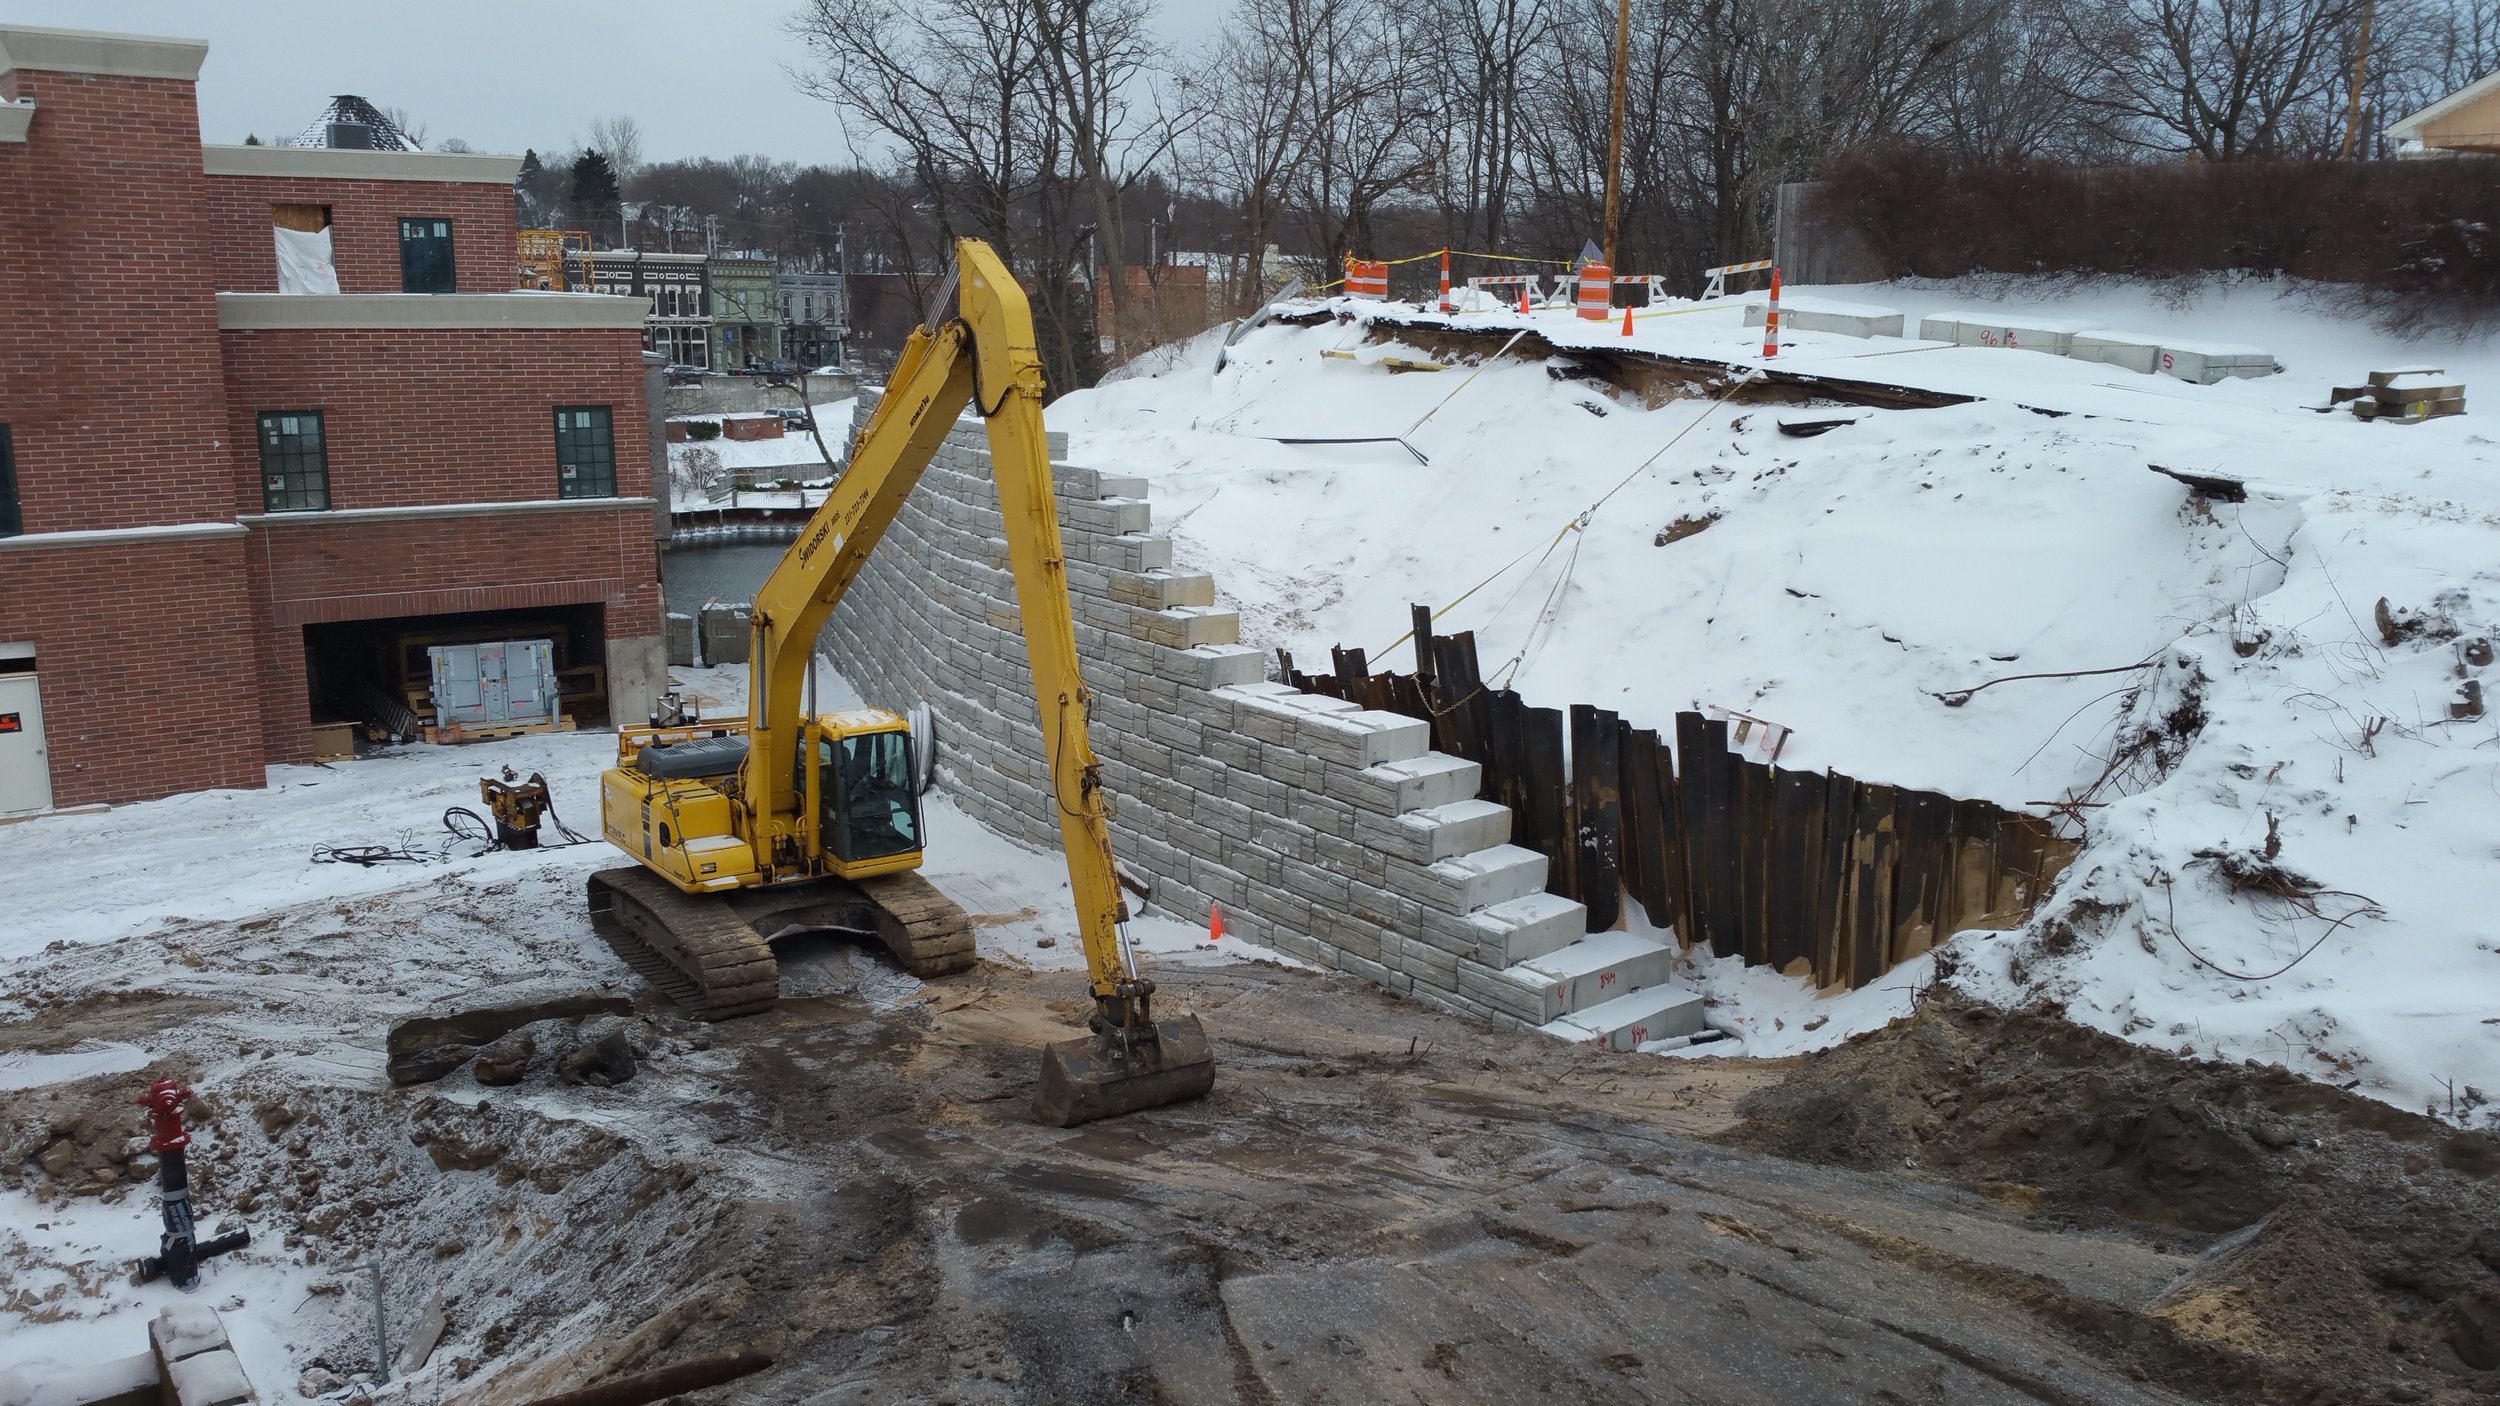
(2056, 336)
(1628, 1021)
(1829, 315)
(115, 1381)
(2137, 351)
(189, 1329)
(2205, 363)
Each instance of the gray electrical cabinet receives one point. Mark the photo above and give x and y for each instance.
(494, 684)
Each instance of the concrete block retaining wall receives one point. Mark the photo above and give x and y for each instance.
(1328, 832)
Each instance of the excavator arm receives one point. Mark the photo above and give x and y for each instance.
(984, 357)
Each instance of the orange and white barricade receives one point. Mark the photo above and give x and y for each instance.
(1597, 291)
(1528, 285)
(1717, 286)
(1446, 304)
(1367, 278)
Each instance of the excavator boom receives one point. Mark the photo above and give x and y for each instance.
(984, 357)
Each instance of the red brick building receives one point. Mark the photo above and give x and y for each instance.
(225, 511)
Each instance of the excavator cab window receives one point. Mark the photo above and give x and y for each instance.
(865, 780)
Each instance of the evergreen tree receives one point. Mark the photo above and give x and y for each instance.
(595, 193)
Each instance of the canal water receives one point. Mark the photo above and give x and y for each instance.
(698, 571)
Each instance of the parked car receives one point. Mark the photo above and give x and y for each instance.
(794, 418)
(680, 374)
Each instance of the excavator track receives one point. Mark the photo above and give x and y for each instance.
(711, 956)
(925, 930)
(698, 950)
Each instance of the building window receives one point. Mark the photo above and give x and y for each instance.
(294, 464)
(12, 522)
(585, 457)
(425, 256)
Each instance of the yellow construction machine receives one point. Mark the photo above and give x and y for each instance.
(787, 821)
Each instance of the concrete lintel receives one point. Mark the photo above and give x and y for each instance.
(377, 312)
(37, 48)
(527, 505)
(121, 536)
(329, 163)
(15, 118)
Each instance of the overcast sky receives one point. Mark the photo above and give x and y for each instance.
(703, 77)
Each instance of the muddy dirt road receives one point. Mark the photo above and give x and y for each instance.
(1378, 1204)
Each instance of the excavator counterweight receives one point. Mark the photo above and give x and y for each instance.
(789, 820)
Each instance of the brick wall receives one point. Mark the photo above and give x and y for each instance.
(364, 230)
(145, 691)
(108, 337)
(1326, 831)
(415, 417)
(309, 569)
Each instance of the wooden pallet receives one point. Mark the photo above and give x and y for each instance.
(456, 733)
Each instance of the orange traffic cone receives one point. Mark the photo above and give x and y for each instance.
(1523, 300)
(1215, 922)
(1627, 320)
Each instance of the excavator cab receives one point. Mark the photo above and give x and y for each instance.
(866, 814)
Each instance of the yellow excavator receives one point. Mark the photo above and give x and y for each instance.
(789, 820)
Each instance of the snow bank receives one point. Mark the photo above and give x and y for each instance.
(1842, 582)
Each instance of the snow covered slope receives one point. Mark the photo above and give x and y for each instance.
(1843, 582)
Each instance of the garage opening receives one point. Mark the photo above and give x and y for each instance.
(371, 681)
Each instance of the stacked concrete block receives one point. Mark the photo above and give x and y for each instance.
(680, 631)
(1331, 833)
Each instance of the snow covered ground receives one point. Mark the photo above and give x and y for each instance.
(1845, 581)
(221, 895)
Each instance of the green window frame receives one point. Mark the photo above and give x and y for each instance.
(12, 520)
(585, 452)
(425, 263)
(294, 462)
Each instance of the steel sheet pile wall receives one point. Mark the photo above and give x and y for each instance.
(1813, 873)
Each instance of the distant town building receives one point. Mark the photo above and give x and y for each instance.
(674, 288)
(339, 436)
(814, 318)
(745, 307)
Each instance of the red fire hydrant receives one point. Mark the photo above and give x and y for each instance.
(178, 1256)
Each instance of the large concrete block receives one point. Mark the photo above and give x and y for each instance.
(2138, 353)
(1363, 739)
(1599, 967)
(2205, 363)
(1525, 928)
(1471, 881)
(1829, 315)
(1393, 788)
(1437, 832)
(1627, 1022)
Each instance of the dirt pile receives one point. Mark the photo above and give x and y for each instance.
(2358, 1255)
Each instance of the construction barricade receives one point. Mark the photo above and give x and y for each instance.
(1367, 278)
(1717, 285)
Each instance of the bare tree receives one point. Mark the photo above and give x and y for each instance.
(1099, 66)
(2222, 80)
(620, 140)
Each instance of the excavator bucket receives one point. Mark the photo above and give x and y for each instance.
(1097, 1076)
